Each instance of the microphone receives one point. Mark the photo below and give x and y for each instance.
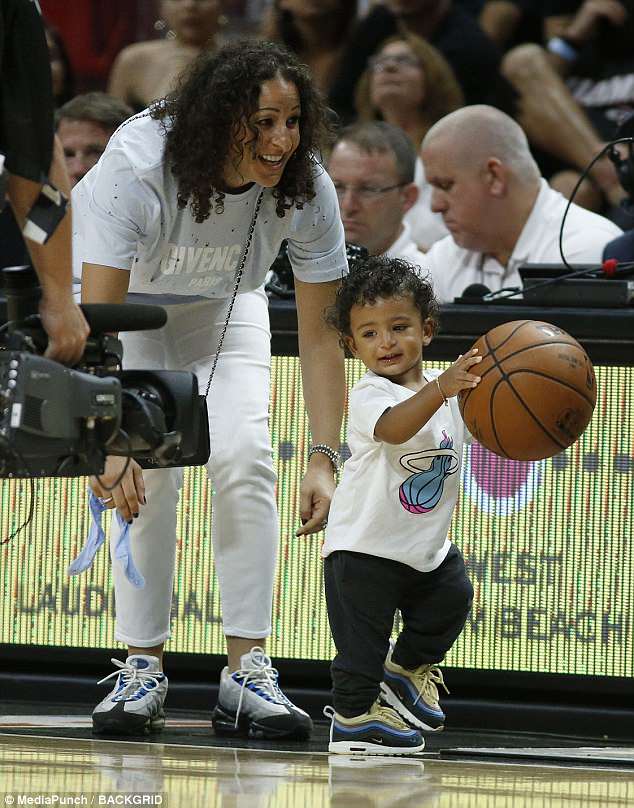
(621, 248)
(476, 291)
(102, 317)
(613, 268)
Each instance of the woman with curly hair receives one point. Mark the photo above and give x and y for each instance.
(187, 208)
(409, 84)
(316, 30)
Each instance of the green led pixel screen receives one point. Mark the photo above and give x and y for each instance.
(548, 546)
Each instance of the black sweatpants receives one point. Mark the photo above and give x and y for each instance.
(363, 593)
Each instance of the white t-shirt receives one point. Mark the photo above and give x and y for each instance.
(125, 215)
(426, 227)
(405, 248)
(585, 235)
(397, 501)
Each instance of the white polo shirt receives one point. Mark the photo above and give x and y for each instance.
(585, 235)
(405, 248)
(426, 227)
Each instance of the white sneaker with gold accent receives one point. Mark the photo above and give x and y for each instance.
(414, 694)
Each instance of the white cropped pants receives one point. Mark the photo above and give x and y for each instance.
(245, 522)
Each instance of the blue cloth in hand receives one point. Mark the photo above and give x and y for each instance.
(96, 538)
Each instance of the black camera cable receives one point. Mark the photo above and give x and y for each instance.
(12, 451)
(122, 433)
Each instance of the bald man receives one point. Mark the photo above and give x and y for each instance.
(499, 211)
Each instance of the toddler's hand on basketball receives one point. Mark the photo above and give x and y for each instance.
(460, 375)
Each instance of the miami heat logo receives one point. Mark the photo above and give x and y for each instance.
(421, 492)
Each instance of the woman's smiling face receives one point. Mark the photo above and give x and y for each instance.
(266, 144)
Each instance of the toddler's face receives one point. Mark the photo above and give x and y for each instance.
(388, 336)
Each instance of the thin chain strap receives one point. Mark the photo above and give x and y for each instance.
(238, 278)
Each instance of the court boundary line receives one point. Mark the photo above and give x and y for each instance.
(425, 756)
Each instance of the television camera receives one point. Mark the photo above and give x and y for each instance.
(57, 421)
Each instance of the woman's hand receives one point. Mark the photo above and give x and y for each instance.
(324, 385)
(457, 377)
(129, 493)
(315, 494)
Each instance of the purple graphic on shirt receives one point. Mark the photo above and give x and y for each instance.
(421, 492)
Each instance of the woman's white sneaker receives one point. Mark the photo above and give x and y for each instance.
(135, 704)
(251, 702)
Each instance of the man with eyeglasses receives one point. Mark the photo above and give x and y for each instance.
(372, 167)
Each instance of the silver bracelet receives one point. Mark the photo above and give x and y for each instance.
(332, 454)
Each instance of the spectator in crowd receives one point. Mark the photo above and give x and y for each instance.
(500, 212)
(372, 168)
(145, 71)
(568, 122)
(512, 22)
(523, 84)
(84, 126)
(448, 26)
(316, 30)
(595, 44)
(409, 84)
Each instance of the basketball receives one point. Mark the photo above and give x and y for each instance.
(537, 391)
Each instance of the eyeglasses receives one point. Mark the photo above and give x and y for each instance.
(364, 192)
(379, 63)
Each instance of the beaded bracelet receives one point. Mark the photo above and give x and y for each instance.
(332, 454)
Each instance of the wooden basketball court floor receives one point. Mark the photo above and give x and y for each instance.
(56, 757)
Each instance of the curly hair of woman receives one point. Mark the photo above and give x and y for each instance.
(206, 122)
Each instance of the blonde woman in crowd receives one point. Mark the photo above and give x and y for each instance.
(409, 83)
